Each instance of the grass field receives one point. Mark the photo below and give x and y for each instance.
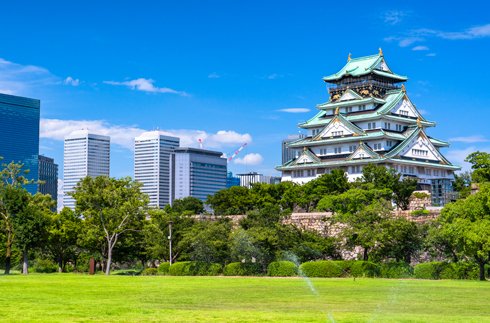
(83, 298)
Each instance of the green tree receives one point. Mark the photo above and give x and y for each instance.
(480, 163)
(235, 200)
(466, 225)
(157, 231)
(112, 206)
(384, 178)
(31, 223)
(63, 236)
(190, 204)
(360, 212)
(12, 201)
(399, 239)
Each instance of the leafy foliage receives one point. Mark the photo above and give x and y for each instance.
(282, 269)
(243, 269)
(480, 164)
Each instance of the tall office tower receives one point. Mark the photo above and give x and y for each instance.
(152, 152)
(86, 153)
(196, 172)
(288, 153)
(48, 173)
(19, 134)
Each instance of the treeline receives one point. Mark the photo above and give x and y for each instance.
(113, 223)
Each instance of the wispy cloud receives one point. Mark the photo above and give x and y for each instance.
(431, 54)
(213, 75)
(470, 139)
(295, 110)
(70, 81)
(457, 156)
(393, 17)
(421, 34)
(249, 159)
(273, 76)
(146, 85)
(420, 48)
(123, 135)
(422, 111)
(17, 78)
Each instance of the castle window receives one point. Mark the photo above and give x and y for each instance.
(387, 125)
(428, 171)
(371, 125)
(310, 172)
(337, 133)
(362, 107)
(349, 109)
(398, 127)
(418, 152)
(338, 150)
(377, 146)
(404, 112)
(355, 169)
(389, 143)
(352, 149)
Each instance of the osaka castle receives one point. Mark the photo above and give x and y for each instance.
(369, 118)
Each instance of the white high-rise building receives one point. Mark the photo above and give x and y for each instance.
(152, 152)
(86, 153)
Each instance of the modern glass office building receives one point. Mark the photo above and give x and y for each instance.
(196, 172)
(19, 134)
(48, 173)
(86, 153)
(152, 152)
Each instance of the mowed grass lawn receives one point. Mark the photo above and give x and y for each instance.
(84, 298)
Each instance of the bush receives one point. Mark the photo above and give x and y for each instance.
(282, 269)
(359, 268)
(194, 268)
(149, 272)
(420, 212)
(243, 269)
(395, 270)
(429, 270)
(324, 268)
(163, 268)
(68, 268)
(460, 270)
(44, 266)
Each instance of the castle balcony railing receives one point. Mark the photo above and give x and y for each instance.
(353, 85)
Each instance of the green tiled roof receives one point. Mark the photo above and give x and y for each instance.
(362, 66)
(365, 148)
(349, 103)
(439, 142)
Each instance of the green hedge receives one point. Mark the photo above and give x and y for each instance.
(282, 269)
(149, 272)
(243, 269)
(395, 270)
(194, 268)
(323, 268)
(359, 268)
(45, 266)
(163, 268)
(443, 270)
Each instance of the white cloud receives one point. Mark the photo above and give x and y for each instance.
(249, 159)
(295, 110)
(273, 76)
(470, 139)
(422, 111)
(431, 54)
(394, 17)
(420, 48)
(16, 78)
(123, 135)
(146, 85)
(213, 75)
(70, 81)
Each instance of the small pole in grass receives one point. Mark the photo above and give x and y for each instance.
(170, 239)
(92, 266)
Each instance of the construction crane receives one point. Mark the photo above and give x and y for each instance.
(229, 159)
(239, 149)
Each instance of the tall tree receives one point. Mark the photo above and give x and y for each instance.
(190, 204)
(113, 206)
(480, 163)
(231, 201)
(466, 225)
(384, 178)
(63, 235)
(12, 201)
(462, 184)
(31, 225)
(360, 212)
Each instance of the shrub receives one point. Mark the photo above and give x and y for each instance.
(395, 270)
(243, 269)
(420, 212)
(282, 269)
(163, 268)
(460, 270)
(323, 268)
(194, 268)
(429, 270)
(361, 268)
(149, 272)
(68, 268)
(44, 266)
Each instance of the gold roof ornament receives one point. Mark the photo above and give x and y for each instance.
(348, 58)
(418, 123)
(403, 88)
(304, 148)
(360, 143)
(380, 52)
(337, 111)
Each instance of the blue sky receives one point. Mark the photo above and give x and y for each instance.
(234, 72)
